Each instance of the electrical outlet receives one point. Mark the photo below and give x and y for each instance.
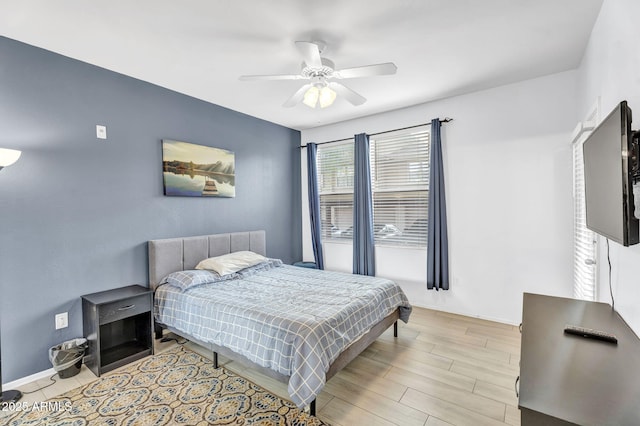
(62, 320)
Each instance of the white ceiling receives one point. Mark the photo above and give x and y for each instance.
(200, 47)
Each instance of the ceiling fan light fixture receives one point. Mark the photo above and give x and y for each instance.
(320, 72)
(327, 96)
(311, 97)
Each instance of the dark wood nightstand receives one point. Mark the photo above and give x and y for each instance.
(117, 325)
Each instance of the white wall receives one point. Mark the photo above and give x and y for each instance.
(610, 70)
(508, 183)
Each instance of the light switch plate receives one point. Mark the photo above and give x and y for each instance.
(101, 131)
(62, 320)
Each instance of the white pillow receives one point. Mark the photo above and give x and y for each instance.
(232, 262)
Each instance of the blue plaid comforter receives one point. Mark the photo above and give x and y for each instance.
(293, 320)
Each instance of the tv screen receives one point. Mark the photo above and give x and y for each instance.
(608, 175)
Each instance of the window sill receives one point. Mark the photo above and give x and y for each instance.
(384, 245)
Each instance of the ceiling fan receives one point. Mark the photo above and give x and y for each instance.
(321, 73)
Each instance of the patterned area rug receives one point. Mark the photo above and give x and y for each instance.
(177, 387)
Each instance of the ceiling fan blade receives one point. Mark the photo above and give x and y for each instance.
(310, 52)
(297, 97)
(347, 93)
(387, 68)
(273, 77)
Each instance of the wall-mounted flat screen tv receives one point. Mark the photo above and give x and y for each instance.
(610, 163)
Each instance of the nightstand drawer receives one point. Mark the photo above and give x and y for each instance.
(124, 308)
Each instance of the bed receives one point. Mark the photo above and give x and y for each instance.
(297, 325)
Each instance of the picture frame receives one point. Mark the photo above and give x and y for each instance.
(192, 170)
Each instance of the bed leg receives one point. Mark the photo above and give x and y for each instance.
(395, 329)
(157, 330)
(215, 360)
(312, 408)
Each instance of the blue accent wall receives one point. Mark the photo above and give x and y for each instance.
(76, 212)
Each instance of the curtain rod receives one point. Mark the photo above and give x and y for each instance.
(444, 120)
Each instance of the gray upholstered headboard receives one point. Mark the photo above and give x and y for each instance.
(179, 254)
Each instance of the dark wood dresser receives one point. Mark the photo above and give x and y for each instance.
(567, 379)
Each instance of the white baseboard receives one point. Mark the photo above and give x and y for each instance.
(466, 314)
(32, 378)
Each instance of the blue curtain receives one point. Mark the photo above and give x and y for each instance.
(314, 204)
(363, 243)
(437, 241)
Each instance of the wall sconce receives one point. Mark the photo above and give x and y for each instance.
(8, 157)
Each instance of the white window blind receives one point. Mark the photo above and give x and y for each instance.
(400, 184)
(399, 181)
(584, 240)
(334, 163)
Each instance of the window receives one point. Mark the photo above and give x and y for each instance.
(335, 187)
(584, 240)
(399, 181)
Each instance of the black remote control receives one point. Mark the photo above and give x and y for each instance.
(591, 333)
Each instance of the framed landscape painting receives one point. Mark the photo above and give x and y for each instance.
(191, 170)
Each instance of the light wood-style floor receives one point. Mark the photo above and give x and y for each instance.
(443, 369)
